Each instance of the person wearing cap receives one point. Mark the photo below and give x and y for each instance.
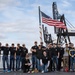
(5, 58)
(39, 56)
(42, 46)
(0, 47)
(72, 56)
(33, 50)
(18, 57)
(23, 53)
(69, 55)
(60, 55)
(65, 57)
(12, 50)
(50, 49)
(55, 57)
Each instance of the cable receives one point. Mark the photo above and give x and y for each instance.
(70, 23)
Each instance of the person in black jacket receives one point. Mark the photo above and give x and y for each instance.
(55, 56)
(38, 56)
(0, 47)
(23, 53)
(5, 58)
(18, 57)
(33, 50)
(44, 62)
(60, 55)
(12, 56)
(0, 50)
(50, 48)
(26, 64)
(42, 46)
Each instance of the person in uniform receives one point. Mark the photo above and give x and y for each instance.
(33, 50)
(5, 58)
(42, 46)
(26, 64)
(12, 50)
(38, 56)
(23, 53)
(55, 56)
(50, 48)
(18, 57)
(72, 56)
(44, 62)
(60, 55)
(1, 47)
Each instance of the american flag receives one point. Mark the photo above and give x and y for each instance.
(49, 21)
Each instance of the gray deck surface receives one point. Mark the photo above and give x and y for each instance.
(49, 73)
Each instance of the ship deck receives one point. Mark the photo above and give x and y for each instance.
(50, 73)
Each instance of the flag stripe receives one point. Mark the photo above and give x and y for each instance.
(49, 21)
(61, 27)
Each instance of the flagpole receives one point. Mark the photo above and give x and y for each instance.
(40, 28)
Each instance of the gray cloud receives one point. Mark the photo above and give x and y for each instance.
(2, 36)
(5, 3)
(66, 3)
(21, 24)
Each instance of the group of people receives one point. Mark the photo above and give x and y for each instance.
(53, 57)
(12, 54)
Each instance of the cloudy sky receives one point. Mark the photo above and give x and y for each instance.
(19, 21)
